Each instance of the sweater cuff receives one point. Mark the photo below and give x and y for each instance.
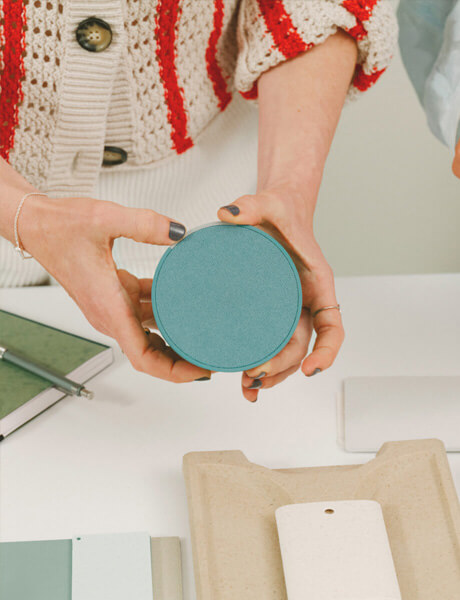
(272, 31)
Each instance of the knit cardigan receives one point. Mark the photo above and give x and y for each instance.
(172, 66)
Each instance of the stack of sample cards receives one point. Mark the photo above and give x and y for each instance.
(93, 567)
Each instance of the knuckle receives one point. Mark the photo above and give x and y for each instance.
(179, 378)
(325, 355)
(154, 219)
(175, 374)
(159, 225)
(98, 211)
(325, 272)
(279, 215)
(330, 361)
(246, 198)
(138, 222)
(326, 361)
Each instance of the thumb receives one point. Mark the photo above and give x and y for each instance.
(144, 225)
(247, 210)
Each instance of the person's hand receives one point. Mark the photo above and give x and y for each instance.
(282, 213)
(456, 163)
(73, 238)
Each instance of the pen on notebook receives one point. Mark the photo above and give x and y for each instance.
(62, 383)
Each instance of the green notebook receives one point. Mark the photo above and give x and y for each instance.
(24, 395)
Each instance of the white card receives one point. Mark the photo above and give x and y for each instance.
(112, 567)
(336, 551)
(375, 410)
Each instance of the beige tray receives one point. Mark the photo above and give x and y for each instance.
(232, 505)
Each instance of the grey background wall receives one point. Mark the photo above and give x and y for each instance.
(389, 202)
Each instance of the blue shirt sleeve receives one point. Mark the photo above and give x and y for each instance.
(429, 39)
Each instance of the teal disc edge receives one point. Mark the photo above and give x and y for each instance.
(218, 368)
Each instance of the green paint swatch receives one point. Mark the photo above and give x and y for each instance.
(36, 570)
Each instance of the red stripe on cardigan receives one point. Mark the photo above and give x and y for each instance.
(357, 32)
(279, 23)
(362, 10)
(11, 93)
(362, 81)
(251, 94)
(215, 74)
(165, 32)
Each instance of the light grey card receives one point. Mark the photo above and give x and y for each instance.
(375, 410)
(114, 566)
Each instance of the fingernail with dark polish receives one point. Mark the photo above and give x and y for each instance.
(255, 384)
(176, 231)
(203, 379)
(315, 372)
(260, 375)
(234, 210)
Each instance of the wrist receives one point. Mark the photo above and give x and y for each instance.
(31, 219)
(297, 200)
(13, 187)
(301, 178)
(11, 197)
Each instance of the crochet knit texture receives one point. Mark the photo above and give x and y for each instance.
(172, 66)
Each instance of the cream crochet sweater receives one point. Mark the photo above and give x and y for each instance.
(172, 66)
(188, 189)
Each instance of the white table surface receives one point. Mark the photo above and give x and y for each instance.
(115, 463)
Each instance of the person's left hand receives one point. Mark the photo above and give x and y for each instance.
(282, 213)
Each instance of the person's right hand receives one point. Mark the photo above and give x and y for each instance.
(72, 239)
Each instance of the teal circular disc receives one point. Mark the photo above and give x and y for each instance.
(226, 297)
